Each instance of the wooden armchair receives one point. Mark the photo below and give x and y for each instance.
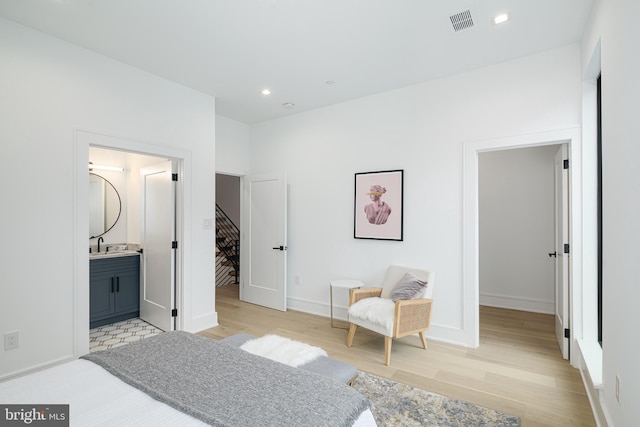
(372, 308)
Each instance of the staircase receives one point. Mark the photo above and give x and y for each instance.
(227, 250)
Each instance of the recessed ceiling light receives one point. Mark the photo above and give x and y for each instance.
(329, 82)
(288, 105)
(265, 92)
(499, 19)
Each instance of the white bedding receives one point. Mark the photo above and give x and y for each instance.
(97, 398)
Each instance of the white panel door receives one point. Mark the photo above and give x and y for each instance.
(158, 260)
(264, 242)
(562, 258)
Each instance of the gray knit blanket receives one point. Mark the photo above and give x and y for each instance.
(225, 386)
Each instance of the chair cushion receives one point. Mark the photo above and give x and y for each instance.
(375, 311)
(409, 287)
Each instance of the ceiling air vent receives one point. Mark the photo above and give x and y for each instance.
(462, 21)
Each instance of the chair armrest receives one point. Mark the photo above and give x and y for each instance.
(412, 316)
(356, 295)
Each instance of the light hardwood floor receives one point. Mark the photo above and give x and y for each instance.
(517, 369)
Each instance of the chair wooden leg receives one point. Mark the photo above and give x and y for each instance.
(352, 333)
(424, 341)
(387, 350)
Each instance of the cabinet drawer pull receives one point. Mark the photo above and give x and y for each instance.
(111, 284)
(118, 284)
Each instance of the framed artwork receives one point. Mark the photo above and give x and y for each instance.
(378, 206)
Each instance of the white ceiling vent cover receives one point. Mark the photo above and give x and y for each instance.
(462, 21)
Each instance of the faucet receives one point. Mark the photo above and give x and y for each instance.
(100, 239)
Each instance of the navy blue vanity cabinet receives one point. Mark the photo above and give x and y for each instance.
(114, 293)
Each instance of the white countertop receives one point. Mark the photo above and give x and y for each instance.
(112, 254)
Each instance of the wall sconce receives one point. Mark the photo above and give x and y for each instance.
(105, 168)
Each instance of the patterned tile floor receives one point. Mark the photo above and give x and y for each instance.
(121, 333)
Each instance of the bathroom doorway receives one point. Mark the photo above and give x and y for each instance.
(127, 234)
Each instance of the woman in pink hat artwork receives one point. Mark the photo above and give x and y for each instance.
(377, 211)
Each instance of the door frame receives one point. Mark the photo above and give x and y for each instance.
(83, 139)
(470, 234)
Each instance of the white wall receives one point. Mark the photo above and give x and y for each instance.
(517, 228)
(232, 147)
(233, 161)
(419, 129)
(49, 89)
(613, 26)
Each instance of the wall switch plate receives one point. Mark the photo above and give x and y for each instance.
(298, 281)
(11, 340)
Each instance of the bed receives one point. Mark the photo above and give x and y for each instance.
(177, 378)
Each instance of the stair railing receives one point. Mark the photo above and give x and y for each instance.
(228, 249)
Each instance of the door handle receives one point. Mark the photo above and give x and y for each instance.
(280, 248)
(553, 254)
(111, 284)
(118, 284)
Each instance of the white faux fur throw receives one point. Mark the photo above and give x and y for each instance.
(283, 350)
(376, 310)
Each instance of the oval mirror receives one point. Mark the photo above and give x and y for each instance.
(105, 205)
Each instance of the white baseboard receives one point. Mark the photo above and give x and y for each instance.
(517, 303)
(317, 308)
(36, 368)
(202, 322)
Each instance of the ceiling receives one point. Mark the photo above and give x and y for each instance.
(311, 53)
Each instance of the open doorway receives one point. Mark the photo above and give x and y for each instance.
(471, 282)
(228, 225)
(260, 202)
(519, 263)
(516, 228)
(132, 268)
(128, 235)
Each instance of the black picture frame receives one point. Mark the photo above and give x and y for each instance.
(379, 205)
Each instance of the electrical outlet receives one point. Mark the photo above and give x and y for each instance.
(618, 388)
(298, 281)
(11, 340)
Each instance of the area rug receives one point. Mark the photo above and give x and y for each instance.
(395, 404)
